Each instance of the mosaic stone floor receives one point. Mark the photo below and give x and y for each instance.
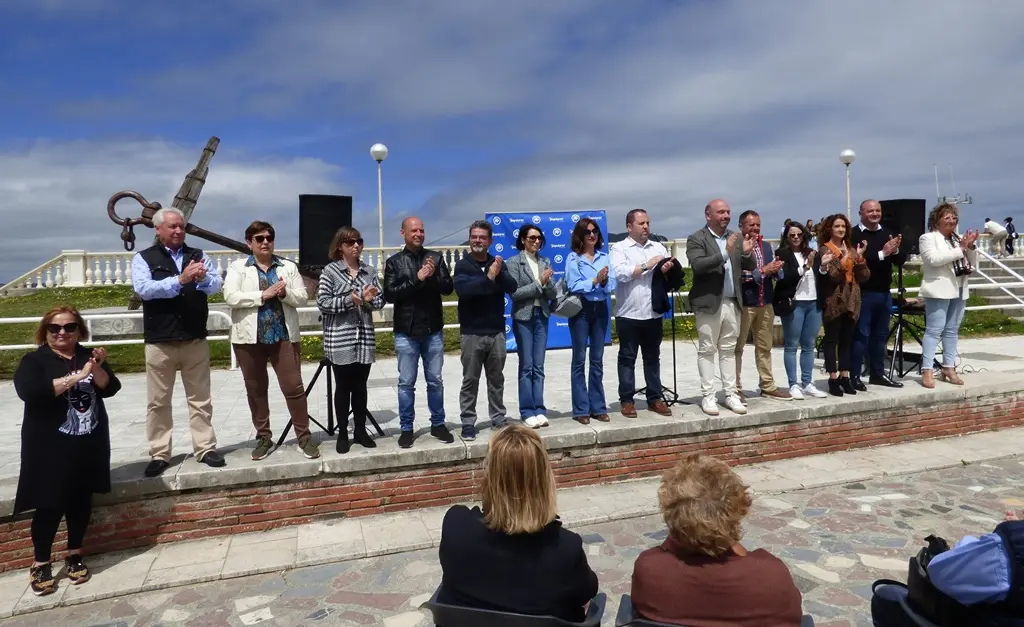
(836, 541)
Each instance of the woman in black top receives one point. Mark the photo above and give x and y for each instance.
(514, 555)
(65, 440)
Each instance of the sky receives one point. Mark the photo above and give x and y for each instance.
(490, 105)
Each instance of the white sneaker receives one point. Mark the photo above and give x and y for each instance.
(794, 391)
(709, 405)
(532, 422)
(542, 419)
(734, 404)
(812, 390)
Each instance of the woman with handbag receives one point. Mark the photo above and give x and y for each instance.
(531, 309)
(795, 301)
(947, 260)
(840, 269)
(589, 279)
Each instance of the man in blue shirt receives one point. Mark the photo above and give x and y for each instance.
(174, 280)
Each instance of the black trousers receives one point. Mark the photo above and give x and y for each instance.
(838, 341)
(350, 392)
(46, 521)
(643, 336)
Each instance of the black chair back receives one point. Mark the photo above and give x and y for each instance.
(627, 616)
(458, 616)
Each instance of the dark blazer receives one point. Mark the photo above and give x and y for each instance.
(544, 573)
(785, 286)
(708, 264)
(751, 283)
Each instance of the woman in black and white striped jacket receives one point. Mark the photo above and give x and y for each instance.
(348, 293)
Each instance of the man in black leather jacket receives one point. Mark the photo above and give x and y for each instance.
(414, 281)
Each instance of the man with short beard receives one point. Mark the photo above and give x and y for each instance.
(415, 279)
(481, 281)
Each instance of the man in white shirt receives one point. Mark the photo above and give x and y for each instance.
(634, 262)
(997, 240)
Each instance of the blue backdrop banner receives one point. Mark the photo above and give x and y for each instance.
(557, 227)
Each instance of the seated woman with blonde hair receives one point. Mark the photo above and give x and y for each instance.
(701, 576)
(514, 555)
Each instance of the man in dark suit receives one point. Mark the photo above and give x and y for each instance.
(717, 256)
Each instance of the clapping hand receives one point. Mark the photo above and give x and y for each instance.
(826, 257)
(859, 250)
(545, 276)
(748, 243)
(892, 245)
(275, 290)
(193, 272)
(427, 270)
(810, 258)
(369, 293)
(771, 268)
(99, 355)
(730, 243)
(969, 238)
(602, 276)
(492, 272)
(357, 298)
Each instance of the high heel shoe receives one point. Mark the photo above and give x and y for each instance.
(927, 379)
(834, 388)
(847, 385)
(950, 375)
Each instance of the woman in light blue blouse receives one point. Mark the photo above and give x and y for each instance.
(587, 274)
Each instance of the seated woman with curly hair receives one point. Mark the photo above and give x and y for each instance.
(701, 576)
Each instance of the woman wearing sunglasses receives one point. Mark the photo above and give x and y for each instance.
(348, 294)
(263, 292)
(65, 440)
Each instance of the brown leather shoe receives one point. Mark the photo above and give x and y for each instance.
(629, 410)
(583, 420)
(602, 417)
(778, 394)
(659, 407)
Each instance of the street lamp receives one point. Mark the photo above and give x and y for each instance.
(379, 152)
(846, 157)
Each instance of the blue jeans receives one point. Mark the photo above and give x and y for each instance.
(942, 317)
(800, 329)
(590, 325)
(531, 344)
(409, 351)
(872, 333)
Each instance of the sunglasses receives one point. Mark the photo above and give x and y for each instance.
(591, 231)
(532, 238)
(259, 239)
(68, 328)
(796, 235)
(354, 242)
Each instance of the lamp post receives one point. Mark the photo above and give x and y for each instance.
(846, 157)
(379, 152)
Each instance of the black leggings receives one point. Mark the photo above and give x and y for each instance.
(350, 380)
(837, 342)
(46, 521)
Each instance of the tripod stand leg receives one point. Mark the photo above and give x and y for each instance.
(373, 421)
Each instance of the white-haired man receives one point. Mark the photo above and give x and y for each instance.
(174, 280)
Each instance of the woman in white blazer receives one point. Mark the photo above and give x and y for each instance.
(263, 292)
(947, 260)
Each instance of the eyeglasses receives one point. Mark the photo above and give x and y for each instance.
(69, 328)
(259, 239)
(354, 242)
(532, 238)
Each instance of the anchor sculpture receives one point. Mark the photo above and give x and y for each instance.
(185, 201)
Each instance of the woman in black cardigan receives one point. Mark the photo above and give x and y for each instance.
(65, 440)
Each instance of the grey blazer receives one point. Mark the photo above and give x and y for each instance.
(708, 266)
(528, 288)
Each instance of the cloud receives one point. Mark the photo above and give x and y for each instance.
(54, 193)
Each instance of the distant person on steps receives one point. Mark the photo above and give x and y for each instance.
(997, 237)
(1011, 236)
(174, 281)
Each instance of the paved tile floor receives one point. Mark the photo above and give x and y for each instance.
(233, 423)
(836, 540)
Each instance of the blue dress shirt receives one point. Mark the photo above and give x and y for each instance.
(148, 289)
(976, 571)
(580, 273)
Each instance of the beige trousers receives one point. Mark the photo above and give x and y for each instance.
(163, 361)
(759, 320)
(716, 337)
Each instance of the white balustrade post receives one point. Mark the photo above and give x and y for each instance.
(74, 275)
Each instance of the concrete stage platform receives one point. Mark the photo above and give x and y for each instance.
(193, 501)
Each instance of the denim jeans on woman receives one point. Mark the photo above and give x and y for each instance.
(531, 344)
(409, 351)
(942, 317)
(589, 326)
(800, 330)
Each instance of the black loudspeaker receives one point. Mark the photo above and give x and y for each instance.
(906, 217)
(320, 215)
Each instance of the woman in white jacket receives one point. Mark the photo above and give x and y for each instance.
(263, 292)
(948, 259)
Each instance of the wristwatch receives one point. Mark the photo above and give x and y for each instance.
(643, 267)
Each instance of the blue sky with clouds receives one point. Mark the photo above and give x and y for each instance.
(492, 105)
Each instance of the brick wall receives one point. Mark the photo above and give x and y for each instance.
(214, 512)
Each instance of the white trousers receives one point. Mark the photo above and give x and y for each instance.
(717, 333)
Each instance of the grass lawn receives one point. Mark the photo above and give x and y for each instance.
(130, 358)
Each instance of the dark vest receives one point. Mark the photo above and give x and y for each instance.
(1012, 533)
(180, 318)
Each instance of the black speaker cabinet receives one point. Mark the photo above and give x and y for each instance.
(320, 215)
(906, 217)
